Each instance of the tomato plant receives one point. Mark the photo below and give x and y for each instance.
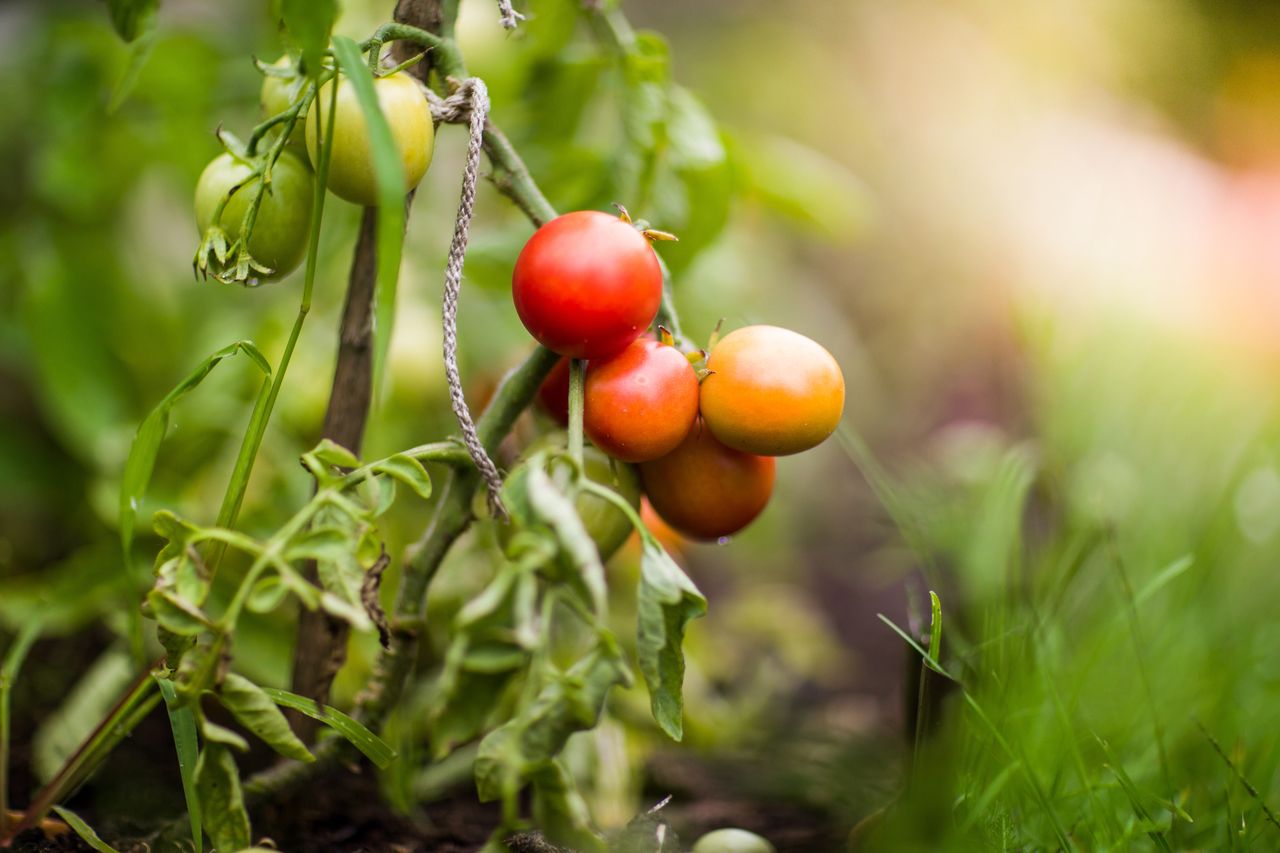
(606, 524)
(351, 171)
(706, 490)
(642, 402)
(771, 391)
(281, 229)
(280, 88)
(587, 284)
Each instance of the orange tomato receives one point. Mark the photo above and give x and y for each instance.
(771, 391)
(706, 490)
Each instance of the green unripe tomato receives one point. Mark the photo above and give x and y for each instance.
(283, 226)
(607, 525)
(278, 94)
(732, 841)
(351, 174)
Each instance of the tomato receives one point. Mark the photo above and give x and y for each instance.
(587, 284)
(706, 490)
(771, 391)
(642, 402)
(351, 174)
(278, 94)
(553, 393)
(283, 226)
(607, 525)
(732, 841)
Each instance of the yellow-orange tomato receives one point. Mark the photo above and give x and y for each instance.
(706, 490)
(771, 391)
(640, 403)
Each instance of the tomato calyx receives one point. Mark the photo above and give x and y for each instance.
(653, 235)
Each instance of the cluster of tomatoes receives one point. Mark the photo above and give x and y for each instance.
(703, 428)
(282, 227)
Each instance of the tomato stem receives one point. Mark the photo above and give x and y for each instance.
(577, 370)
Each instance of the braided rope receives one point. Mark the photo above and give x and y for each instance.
(474, 95)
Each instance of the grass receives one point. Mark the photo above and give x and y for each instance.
(1112, 618)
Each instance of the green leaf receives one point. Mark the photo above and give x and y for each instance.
(90, 700)
(140, 50)
(373, 747)
(182, 721)
(389, 171)
(131, 17)
(569, 702)
(332, 453)
(83, 830)
(560, 811)
(146, 444)
(552, 507)
(218, 786)
(220, 734)
(667, 601)
(260, 715)
(804, 185)
(176, 614)
(407, 470)
(694, 185)
(308, 24)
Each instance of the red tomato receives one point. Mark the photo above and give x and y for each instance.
(587, 284)
(642, 402)
(553, 393)
(771, 391)
(706, 490)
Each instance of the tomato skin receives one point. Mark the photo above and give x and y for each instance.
(351, 174)
(587, 284)
(277, 95)
(706, 490)
(771, 391)
(283, 226)
(642, 402)
(553, 393)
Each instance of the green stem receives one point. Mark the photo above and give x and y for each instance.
(577, 367)
(667, 316)
(8, 674)
(446, 57)
(137, 703)
(234, 496)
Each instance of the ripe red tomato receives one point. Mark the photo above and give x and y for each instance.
(706, 490)
(642, 402)
(553, 393)
(771, 391)
(587, 284)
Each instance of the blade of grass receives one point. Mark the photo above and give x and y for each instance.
(83, 830)
(1132, 792)
(1244, 781)
(389, 171)
(8, 674)
(187, 745)
(375, 748)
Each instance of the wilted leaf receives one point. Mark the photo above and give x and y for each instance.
(221, 798)
(667, 601)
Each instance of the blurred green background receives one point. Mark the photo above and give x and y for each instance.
(1041, 239)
